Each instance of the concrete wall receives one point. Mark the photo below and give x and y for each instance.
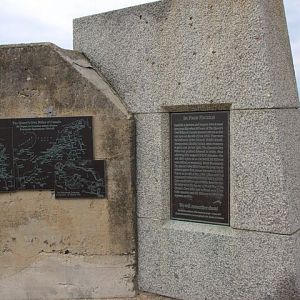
(67, 249)
(193, 55)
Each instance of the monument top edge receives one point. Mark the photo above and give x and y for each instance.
(125, 9)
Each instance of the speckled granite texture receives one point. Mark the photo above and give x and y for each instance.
(191, 55)
(179, 52)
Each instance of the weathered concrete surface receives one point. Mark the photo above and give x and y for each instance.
(56, 276)
(187, 52)
(52, 249)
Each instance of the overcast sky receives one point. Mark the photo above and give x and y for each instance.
(25, 21)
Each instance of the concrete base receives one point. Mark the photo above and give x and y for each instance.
(223, 263)
(57, 276)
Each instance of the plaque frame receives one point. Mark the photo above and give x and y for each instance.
(226, 165)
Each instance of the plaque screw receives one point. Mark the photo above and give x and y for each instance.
(50, 112)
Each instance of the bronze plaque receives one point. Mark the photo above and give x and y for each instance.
(39, 142)
(200, 167)
(80, 179)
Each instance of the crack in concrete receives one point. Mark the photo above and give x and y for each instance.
(63, 252)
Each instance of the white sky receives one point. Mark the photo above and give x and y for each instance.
(25, 21)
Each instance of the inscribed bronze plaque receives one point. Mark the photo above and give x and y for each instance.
(80, 179)
(200, 167)
(39, 142)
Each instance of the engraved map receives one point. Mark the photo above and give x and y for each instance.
(80, 179)
(38, 143)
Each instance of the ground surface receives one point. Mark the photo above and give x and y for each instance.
(142, 296)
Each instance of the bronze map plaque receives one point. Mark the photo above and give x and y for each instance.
(200, 167)
(37, 143)
(80, 179)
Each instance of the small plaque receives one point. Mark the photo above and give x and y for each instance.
(200, 167)
(80, 179)
(7, 180)
(39, 142)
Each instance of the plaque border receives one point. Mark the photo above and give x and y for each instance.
(171, 164)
